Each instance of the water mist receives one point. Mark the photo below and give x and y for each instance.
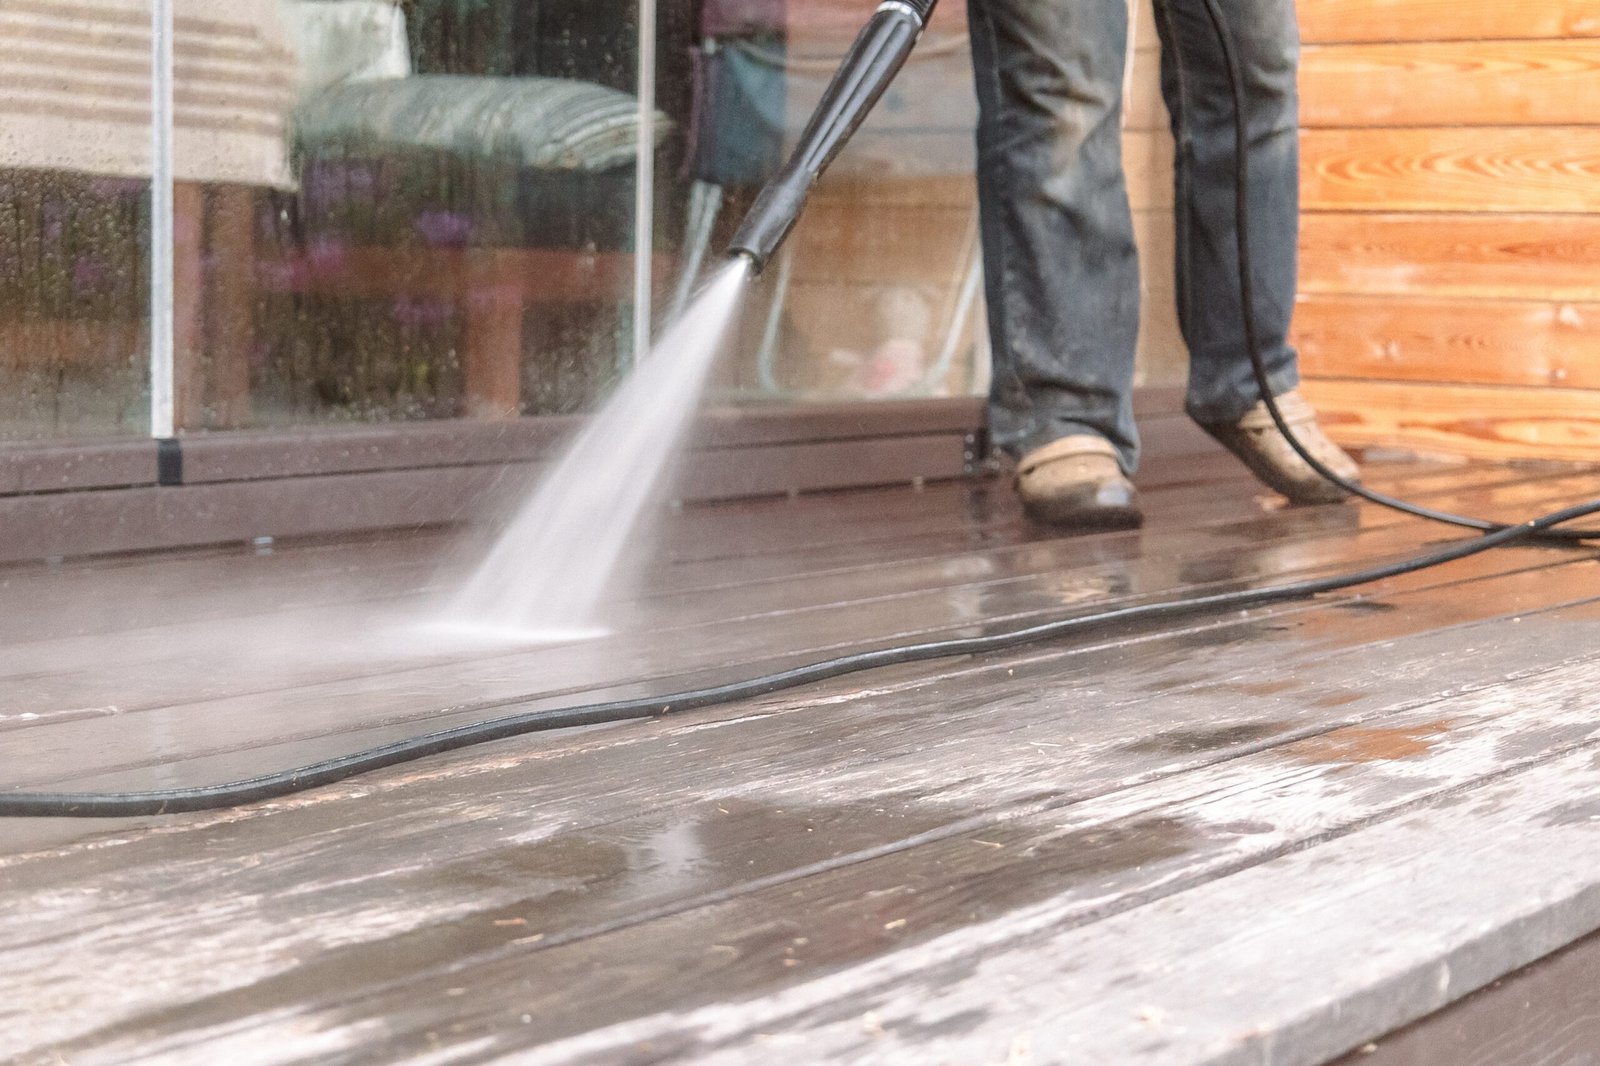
(545, 576)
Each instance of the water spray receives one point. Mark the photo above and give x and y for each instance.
(582, 518)
(877, 55)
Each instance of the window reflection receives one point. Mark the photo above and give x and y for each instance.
(459, 238)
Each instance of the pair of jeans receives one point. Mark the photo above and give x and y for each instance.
(1062, 272)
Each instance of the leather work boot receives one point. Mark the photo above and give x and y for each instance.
(1258, 444)
(1077, 481)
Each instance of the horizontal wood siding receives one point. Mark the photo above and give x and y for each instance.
(1450, 250)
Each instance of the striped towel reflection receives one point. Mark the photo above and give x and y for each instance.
(75, 88)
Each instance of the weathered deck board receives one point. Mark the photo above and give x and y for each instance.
(1548, 1012)
(1080, 860)
(990, 566)
(658, 875)
(1019, 589)
(518, 804)
(1400, 912)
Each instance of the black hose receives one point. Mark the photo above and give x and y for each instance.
(327, 772)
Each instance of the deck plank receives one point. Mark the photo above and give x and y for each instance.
(1291, 961)
(497, 834)
(166, 651)
(727, 643)
(1136, 773)
(1039, 868)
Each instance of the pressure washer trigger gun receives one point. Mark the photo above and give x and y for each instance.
(873, 61)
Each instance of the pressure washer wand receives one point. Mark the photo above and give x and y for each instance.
(874, 59)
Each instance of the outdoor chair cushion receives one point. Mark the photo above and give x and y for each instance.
(539, 123)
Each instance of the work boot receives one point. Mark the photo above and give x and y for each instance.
(1255, 439)
(1077, 481)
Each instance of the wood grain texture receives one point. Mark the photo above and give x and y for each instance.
(1536, 257)
(1501, 422)
(1229, 986)
(230, 305)
(687, 639)
(59, 343)
(1450, 340)
(1450, 165)
(1471, 83)
(797, 861)
(1236, 966)
(1332, 21)
(1490, 169)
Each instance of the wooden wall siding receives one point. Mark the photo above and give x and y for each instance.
(1348, 21)
(1529, 257)
(1496, 169)
(1450, 251)
(1443, 340)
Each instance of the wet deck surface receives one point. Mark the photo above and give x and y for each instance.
(1274, 834)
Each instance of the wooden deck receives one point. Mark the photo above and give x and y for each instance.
(1271, 836)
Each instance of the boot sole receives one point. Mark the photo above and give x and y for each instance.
(1078, 514)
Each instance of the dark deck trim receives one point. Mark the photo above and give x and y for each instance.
(66, 499)
(1548, 1012)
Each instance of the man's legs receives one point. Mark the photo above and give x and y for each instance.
(1060, 264)
(1223, 392)
(1194, 80)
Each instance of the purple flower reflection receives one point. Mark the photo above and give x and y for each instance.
(112, 187)
(327, 184)
(409, 311)
(89, 276)
(445, 229)
(286, 275)
(327, 254)
(55, 220)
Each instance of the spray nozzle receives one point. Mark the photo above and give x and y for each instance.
(871, 64)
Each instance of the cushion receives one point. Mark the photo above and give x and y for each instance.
(542, 123)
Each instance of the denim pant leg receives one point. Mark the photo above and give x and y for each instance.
(1060, 265)
(1194, 80)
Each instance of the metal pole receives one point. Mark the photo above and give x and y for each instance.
(161, 224)
(645, 185)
